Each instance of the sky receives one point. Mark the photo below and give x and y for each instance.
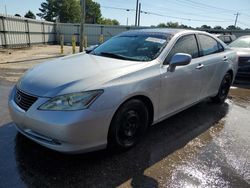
(189, 12)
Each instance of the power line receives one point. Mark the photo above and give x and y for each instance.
(166, 16)
(183, 18)
(197, 7)
(118, 8)
(188, 19)
(244, 24)
(244, 14)
(188, 13)
(206, 5)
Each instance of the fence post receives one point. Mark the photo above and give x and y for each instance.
(101, 38)
(73, 44)
(85, 41)
(4, 32)
(61, 42)
(43, 31)
(28, 31)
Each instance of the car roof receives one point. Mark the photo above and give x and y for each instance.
(156, 31)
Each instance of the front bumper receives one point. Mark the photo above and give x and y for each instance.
(64, 131)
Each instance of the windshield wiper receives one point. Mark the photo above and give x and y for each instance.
(118, 56)
(109, 54)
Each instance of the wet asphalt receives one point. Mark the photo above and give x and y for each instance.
(207, 145)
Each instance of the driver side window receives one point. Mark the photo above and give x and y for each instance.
(186, 44)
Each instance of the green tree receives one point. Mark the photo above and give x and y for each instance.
(93, 12)
(185, 26)
(218, 27)
(205, 27)
(232, 27)
(69, 11)
(17, 15)
(30, 15)
(49, 10)
(161, 25)
(173, 24)
(169, 25)
(107, 21)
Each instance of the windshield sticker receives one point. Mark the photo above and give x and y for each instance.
(156, 40)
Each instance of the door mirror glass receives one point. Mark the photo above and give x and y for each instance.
(179, 59)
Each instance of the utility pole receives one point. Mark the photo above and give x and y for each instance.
(139, 14)
(5, 7)
(236, 19)
(136, 12)
(83, 13)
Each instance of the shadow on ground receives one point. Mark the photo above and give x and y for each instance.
(40, 167)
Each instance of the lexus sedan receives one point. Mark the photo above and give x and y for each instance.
(110, 95)
(242, 47)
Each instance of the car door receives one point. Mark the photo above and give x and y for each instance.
(212, 60)
(181, 87)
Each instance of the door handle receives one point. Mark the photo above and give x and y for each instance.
(200, 66)
(225, 58)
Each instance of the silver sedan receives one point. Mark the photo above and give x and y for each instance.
(242, 48)
(110, 95)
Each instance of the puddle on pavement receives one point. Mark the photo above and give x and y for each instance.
(241, 97)
(4, 92)
(206, 145)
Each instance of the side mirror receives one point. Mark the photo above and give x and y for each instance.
(91, 48)
(179, 59)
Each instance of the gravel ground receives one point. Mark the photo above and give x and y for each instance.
(13, 62)
(34, 52)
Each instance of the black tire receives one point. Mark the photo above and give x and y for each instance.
(128, 125)
(223, 90)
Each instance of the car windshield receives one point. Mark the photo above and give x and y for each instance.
(135, 48)
(241, 43)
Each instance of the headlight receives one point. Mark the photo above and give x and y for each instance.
(73, 101)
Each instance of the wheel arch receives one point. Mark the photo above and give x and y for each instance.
(230, 71)
(146, 100)
(149, 105)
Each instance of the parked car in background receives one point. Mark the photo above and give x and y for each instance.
(226, 38)
(110, 96)
(242, 47)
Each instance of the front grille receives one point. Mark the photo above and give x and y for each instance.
(244, 62)
(24, 100)
(244, 68)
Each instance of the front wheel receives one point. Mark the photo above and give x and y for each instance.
(223, 90)
(128, 125)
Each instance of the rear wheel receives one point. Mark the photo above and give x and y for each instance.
(223, 90)
(128, 125)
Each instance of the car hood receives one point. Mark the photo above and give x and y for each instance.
(73, 74)
(242, 52)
